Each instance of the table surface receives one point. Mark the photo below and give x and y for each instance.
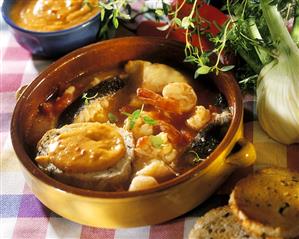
(23, 216)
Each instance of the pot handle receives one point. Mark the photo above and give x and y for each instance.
(244, 156)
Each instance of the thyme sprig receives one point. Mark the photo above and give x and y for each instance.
(114, 11)
(245, 32)
(193, 23)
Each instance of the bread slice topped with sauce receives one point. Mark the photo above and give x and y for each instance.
(267, 203)
(95, 156)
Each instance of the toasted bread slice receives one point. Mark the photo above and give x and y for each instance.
(110, 179)
(219, 223)
(267, 203)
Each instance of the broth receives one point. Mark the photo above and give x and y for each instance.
(172, 128)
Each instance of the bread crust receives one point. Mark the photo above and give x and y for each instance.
(267, 203)
(219, 223)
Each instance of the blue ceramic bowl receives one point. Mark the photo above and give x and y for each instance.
(55, 43)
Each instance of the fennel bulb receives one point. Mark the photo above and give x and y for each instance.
(278, 83)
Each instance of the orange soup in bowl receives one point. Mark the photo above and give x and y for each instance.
(52, 15)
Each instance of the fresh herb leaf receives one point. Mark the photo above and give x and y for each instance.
(102, 14)
(133, 117)
(112, 117)
(111, 12)
(115, 22)
(227, 68)
(187, 23)
(149, 120)
(246, 78)
(202, 70)
(156, 141)
(190, 59)
(178, 22)
(136, 114)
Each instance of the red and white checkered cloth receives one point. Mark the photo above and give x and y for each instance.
(23, 216)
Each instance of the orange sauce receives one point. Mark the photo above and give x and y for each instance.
(88, 148)
(52, 15)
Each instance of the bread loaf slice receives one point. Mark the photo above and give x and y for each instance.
(112, 179)
(219, 223)
(267, 203)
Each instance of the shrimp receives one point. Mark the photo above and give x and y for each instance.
(177, 97)
(148, 149)
(141, 128)
(173, 134)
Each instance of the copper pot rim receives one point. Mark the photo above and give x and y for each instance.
(39, 175)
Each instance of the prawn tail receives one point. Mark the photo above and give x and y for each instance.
(174, 135)
(154, 99)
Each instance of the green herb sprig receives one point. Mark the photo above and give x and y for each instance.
(133, 117)
(195, 24)
(112, 11)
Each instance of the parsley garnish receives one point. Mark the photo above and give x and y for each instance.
(136, 115)
(133, 117)
(149, 120)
